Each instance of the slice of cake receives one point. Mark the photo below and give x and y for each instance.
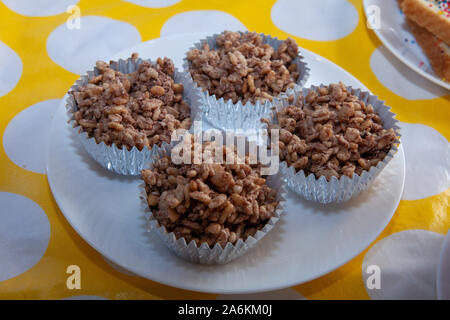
(433, 15)
(437, 51)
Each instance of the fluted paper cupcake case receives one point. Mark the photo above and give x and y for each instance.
(203, 254)
(342, 189)
(122, 160)
(227, 115)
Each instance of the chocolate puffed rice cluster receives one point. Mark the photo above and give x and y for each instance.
(209, 203)
(243, 68)
(331, 132)
(138, 109)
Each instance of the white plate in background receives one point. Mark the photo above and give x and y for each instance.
(308, 242)
(443, 272)
(394, 33)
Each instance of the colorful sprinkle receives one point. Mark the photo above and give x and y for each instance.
(441, 6)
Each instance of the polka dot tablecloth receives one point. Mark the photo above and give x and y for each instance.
(40, 57)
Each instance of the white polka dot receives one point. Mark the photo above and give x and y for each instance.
(118, 268)
(25, 138)
(154, 3)
(98, 38)
(321, 20)
(407, 262)
(84, 297)
(210, 21)
(427, 155)
(24, 234)
(39, 8)
(400, 79)
(10, 69)
(283, 294)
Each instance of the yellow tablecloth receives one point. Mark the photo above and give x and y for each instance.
(36, 242)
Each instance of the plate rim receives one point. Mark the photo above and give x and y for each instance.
(433, 78)
(262, 288)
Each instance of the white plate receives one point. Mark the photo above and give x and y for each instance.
(310, 241)
(395, 35)
(443, 272)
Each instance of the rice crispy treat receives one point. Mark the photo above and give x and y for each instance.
(243, 68)
(332, 133)
(209, 203)
(139, 109)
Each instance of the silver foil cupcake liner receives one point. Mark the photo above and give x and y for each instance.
(203, 254)
(122, 160)
(227, 115)
(342, 189)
